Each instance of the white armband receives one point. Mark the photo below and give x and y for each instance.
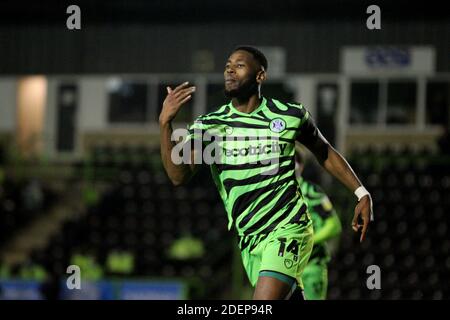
(361, 192)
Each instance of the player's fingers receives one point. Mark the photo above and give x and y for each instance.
(184, 92)
(185, 99)
(169, 90)
(364, 229)
(181, 86)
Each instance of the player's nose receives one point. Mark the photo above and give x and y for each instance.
(229, 70)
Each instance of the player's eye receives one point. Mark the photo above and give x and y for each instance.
(240, 65)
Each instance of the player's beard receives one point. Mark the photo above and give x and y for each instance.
(244, 91)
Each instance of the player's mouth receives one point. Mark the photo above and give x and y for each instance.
(230, 83)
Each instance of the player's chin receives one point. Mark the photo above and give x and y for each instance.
(231, 93)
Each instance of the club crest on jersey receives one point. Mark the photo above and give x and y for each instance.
(277, 125)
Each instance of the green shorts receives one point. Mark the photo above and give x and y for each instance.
(315, 280)
(285, 250)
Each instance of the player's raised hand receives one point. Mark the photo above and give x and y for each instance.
(174, 100)
(363, 212)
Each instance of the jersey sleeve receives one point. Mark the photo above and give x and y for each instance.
(307, 131)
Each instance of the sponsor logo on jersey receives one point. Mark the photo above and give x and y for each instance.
(274, 147)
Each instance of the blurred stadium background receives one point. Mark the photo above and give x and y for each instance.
(81, 180)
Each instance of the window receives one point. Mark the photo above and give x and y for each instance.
(327, 104)
(364, 102)
(127, 101)
(401, 102)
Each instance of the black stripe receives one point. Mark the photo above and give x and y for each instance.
(272, 107)
(301, 211)
(235, 116)
(261, 113)
(230, 183)
(253, 241)
(249, 166)
(243, 201)
(235, 124)
(232, 138)
(244, 242)
(290, 193)
(291, 111)
(281, 203)
(300, 111)
(274, 224)
(255, 244)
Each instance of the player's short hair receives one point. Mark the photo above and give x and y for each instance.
(258, 55)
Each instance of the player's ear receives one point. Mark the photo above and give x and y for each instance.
(261, 75)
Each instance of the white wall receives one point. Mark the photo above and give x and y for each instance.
(92, 107)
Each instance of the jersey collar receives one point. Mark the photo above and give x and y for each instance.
(260, 107)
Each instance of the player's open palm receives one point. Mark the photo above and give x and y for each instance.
(363, 213)
(174, 100)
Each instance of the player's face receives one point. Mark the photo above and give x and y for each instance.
(240, 74)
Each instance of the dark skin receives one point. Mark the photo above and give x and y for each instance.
(241, 68)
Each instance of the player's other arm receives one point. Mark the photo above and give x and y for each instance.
(178, 173)
(336, 165)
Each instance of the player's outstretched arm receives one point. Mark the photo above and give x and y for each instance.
(175, 98)
(336, 165)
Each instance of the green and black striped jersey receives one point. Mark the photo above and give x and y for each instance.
(254, 173)
(320, 209)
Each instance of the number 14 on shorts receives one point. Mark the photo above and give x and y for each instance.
(292, 247)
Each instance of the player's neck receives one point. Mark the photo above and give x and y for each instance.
(247, 104)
